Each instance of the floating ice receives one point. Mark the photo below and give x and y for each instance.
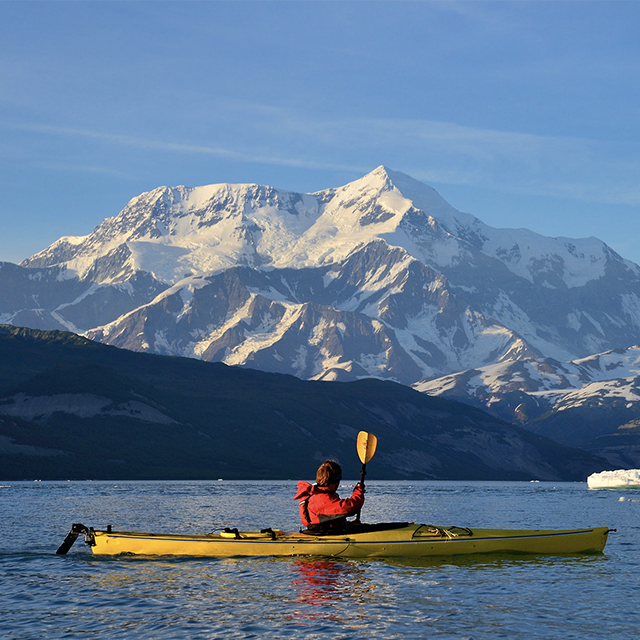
(614, 479)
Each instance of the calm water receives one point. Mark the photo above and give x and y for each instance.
(79, 596)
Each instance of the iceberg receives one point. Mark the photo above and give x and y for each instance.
(620, 479)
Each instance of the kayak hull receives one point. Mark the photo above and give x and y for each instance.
(412, 541)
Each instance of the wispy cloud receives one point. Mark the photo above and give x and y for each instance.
(480, 13)
(440, 152)
(68, 167)
(152, 144)
(445, 152)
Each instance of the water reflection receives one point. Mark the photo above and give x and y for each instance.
(319, 585)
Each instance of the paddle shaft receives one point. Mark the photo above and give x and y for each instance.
(363, 473)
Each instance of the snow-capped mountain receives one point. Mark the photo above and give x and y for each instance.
(577, 403)
(380, 277)
(523, 390)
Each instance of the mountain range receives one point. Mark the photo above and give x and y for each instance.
(71, 408)
(379, 278)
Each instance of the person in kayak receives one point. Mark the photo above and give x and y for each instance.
(321, 509)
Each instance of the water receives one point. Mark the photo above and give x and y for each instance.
(43, 595)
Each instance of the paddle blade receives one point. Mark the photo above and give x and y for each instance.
(366, 445)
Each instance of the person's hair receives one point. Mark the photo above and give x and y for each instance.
(329, 472)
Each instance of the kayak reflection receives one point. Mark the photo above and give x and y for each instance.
(322, 583)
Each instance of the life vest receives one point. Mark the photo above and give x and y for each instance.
(323, 506)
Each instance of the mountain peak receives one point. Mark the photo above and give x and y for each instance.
(383, 178)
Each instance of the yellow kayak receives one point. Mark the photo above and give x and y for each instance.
(369, 541)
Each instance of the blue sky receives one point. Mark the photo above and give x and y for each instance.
(525, 114)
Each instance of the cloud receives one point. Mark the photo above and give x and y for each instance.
(435, 151)
(480, 14)
(450, 153)
(68, 167)
(152, 144)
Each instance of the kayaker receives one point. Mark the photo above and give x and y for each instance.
(321, 509)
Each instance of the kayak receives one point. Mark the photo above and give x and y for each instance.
(365, 541)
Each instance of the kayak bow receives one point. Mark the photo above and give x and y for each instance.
(371, 541)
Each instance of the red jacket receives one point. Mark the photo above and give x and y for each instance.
(322, 504)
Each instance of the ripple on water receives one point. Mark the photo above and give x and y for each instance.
(44, 595)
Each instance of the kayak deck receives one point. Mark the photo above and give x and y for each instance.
(399, 540)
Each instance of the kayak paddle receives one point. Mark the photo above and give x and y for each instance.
(366, 446)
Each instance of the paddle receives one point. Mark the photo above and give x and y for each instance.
(366, 446)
